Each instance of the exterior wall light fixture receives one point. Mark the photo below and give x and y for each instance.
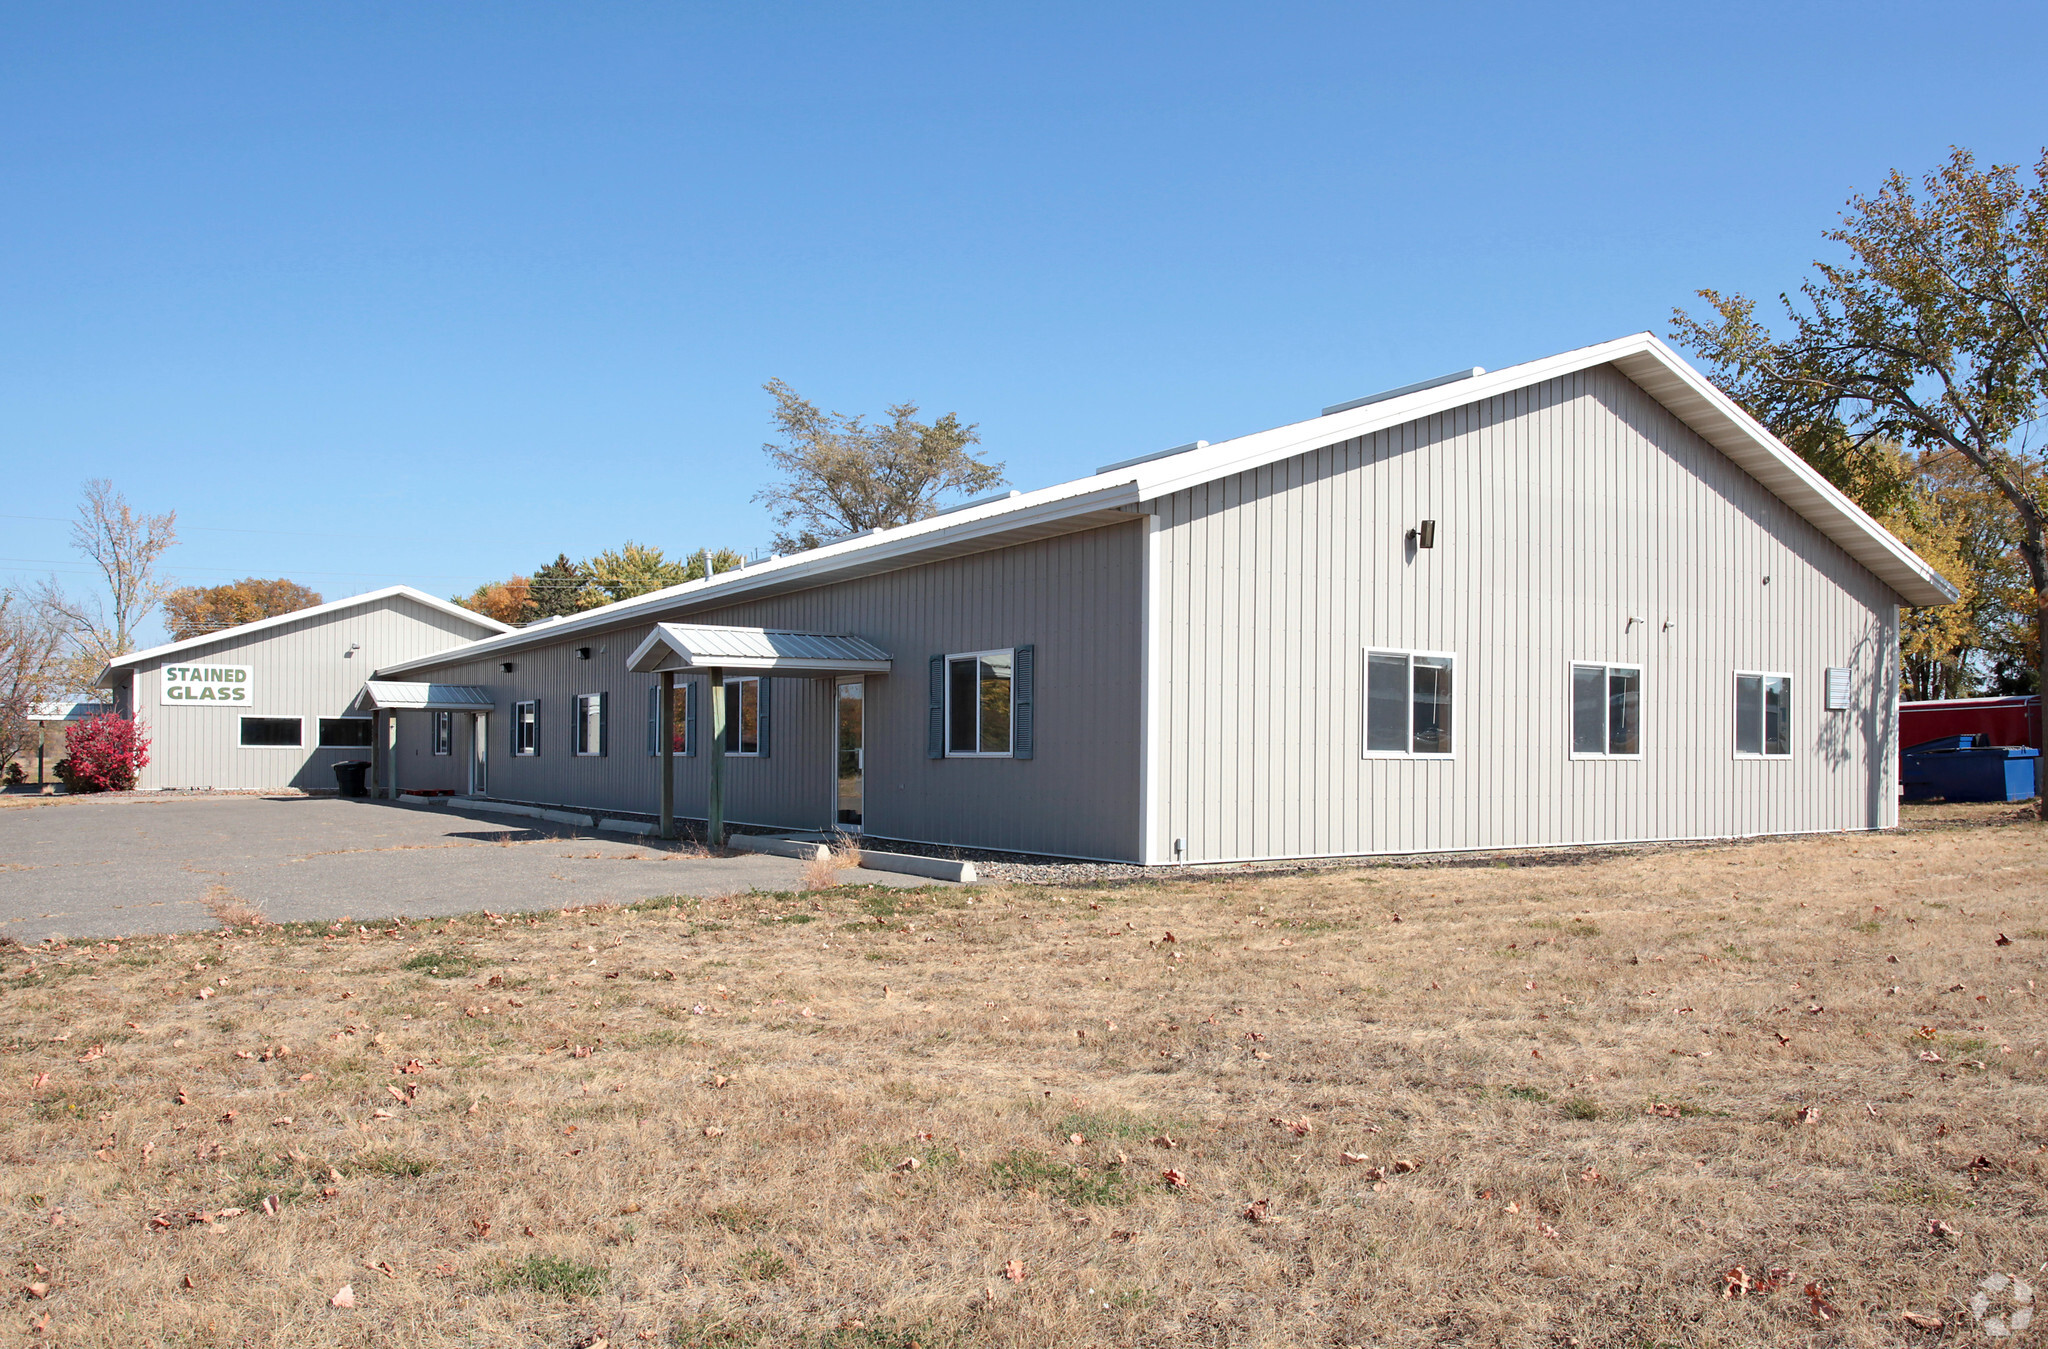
(583, 653)
(1423, 535)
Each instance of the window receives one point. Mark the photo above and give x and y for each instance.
(444, 733)
(344, 732)
(1607, 711)
(743, 715)
(588, 712)
(686, 707)
(526, 728)
(272, 732)
(979, 703)
(1763, 715)
(1408, 703)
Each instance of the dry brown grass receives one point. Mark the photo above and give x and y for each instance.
(230, 910)
(1613, 1079)
(843, 855)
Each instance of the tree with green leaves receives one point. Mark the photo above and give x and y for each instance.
(1932, 335)
(843, 475)
(560, 588)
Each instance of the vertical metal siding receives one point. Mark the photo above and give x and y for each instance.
(1562, 509)
(1075, 596)
(297, 670)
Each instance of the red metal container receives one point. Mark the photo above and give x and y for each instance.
(2003, 721)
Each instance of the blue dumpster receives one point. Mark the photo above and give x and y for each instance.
(1964, 768)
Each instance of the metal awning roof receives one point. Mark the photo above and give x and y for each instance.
(695, 646)
(384, 695)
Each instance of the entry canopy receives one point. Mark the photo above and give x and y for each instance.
(693, 646)
(383, 695)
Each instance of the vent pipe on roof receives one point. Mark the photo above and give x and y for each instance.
(1156, 454)
(1416, 387)
(988, 500)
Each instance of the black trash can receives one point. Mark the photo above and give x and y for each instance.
(352, 777)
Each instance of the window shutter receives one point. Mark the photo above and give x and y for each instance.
(654, 721)
(536, 727)
(604, 724)
(761, 718)
(1023, 665)
(690, 720)
(935, 737)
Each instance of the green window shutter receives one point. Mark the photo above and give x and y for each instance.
(1024, 665)
(935, 732)
(761, 717)
(690, 720)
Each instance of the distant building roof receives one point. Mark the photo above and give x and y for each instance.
(69, 709)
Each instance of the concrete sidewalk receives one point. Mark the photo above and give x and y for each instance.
(98, 867)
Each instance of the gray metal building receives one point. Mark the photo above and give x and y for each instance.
(269, 704)
(1586, 599)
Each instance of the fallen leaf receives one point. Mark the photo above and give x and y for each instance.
(909, 1164)
(345, 1298)
(1255, 1212)
(1920, 1322)
(1937, 1228)
(713, 1131)
(1174, 1178)
(1350, 1158)
(1014, 1271)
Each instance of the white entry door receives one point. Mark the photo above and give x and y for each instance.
(851, 768)
(479, 749)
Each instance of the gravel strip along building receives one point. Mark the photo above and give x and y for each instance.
(1582, 600)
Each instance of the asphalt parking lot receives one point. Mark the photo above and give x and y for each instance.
(116, 867)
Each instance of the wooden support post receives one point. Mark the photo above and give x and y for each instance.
(714, 823)
(391, 754)
(665, 727)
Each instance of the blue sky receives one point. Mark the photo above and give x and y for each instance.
(429, 293)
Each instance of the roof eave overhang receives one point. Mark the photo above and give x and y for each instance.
(1000, 525)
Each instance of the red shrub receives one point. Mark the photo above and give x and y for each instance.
(104, 754)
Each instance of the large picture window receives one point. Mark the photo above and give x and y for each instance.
(1763, 715)
(526, 729)
(588, 713)
(273, 733)
(347, 732)
(1607, 711)
(1408, 703)
(980, 703)
(743, 716)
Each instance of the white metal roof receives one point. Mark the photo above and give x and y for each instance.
(1100, 497)
(383, 695)
(696, 646)
(69, 709)
(242, 630)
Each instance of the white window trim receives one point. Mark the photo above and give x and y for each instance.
(258, 716)
(732, 725)
(1734, 675)
(322, 744)
(1642, 705)
(1365, 709)
(577, 703)
(1011, 752)
(442, 718)
(533, 753)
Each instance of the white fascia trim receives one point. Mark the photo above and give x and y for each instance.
(1101, 492)
(299, 615)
